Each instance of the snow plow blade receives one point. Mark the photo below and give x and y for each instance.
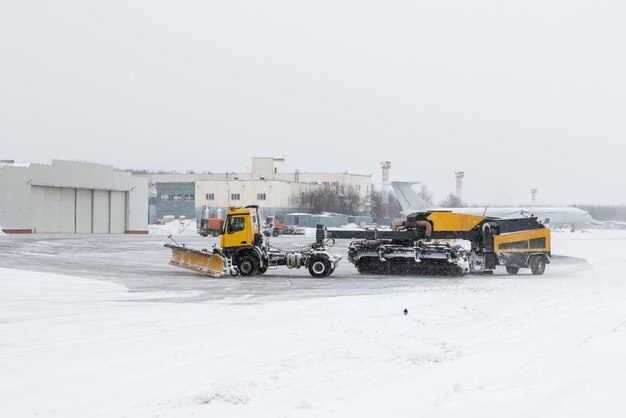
(200, 261)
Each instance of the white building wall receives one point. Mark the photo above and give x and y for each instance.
(101, 206)
(282, 189)
(361, 183)
(18, 202)
(265, 168)
(15, 205)
(137, 204)
(50, 206)
(277, 194)
(84, 211)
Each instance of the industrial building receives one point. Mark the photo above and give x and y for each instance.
(267, 185)
(176, 198)
(71, 197)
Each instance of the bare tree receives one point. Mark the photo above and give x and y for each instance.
(377, 202)
(350, 200)
(452, 201)
(339, 199)
(425, 194)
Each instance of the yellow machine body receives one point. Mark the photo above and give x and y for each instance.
(199, 261)
(452, 221)
(536, 240)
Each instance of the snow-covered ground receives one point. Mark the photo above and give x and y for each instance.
(100, 326)
(176, 227)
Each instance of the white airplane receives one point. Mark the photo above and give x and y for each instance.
(411, 203)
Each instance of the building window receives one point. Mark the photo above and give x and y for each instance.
(177, 197)
(261, 196)
(209, 196)
(234, 196)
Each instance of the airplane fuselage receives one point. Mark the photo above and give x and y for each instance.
(411, 202)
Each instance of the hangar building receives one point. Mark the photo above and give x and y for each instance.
(71, 197)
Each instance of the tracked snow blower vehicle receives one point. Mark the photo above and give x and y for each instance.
(244, 250)
(425, 244)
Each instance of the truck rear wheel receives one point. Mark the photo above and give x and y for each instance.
(248, 265)
(537, 265)
(275, 233)
(512, 269)
(319, 267)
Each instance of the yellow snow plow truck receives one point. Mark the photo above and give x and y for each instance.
(426, 243)
(244, 250)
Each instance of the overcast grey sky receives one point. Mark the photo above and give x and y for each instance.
(517, 94)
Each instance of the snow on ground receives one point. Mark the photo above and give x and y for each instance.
(188, 227)
(514, 346)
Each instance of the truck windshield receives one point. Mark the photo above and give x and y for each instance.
(236, 224)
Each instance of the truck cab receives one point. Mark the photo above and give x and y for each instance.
(241, 228)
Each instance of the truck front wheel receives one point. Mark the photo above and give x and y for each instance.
(319, 267)
(248, 265)
(537, 265)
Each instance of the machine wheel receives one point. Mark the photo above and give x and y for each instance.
(215, 233)
(401, 266)
(372, 265)
(319, 267)
(537, 265)
(262, 270)
(363, 266)
(248, 265)
(512, 269)
(275, 233)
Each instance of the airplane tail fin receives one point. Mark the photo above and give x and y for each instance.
(409, 199)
